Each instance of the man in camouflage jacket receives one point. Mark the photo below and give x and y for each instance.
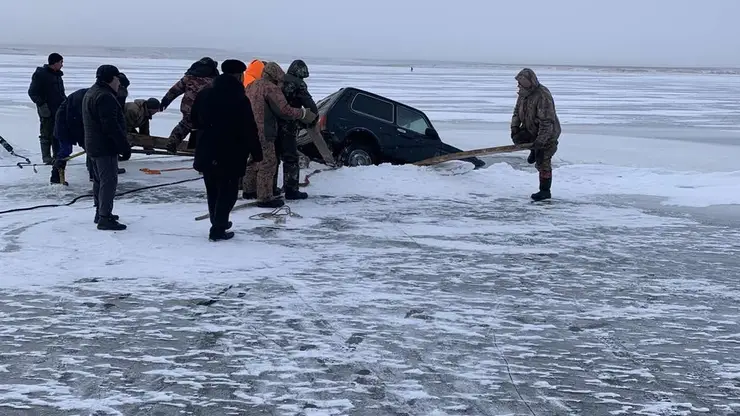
(296, 92)
(198, 76)
(268, 105)
(535, 121)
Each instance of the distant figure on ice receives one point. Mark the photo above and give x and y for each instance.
(412, 69)
(535, 121)
(198, 76)
(47, 92)
(286, 146)
(227, 136)
(268, 105)
(105, 140)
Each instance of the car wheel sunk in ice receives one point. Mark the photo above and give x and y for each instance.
(358, 154)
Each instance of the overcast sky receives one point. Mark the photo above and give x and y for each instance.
(592, 32)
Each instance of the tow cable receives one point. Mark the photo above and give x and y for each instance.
(90, 196)
(10, 150)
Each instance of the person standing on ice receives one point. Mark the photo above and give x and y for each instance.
(286, 146)
(227, 136)
(105, 140)
(268, 105)
(47, 92)
(198, 76)
(535, 121)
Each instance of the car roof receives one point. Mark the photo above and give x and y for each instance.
(375, 95)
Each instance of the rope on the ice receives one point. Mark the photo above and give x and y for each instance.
(278, 215)
(306, 180)
(90, 196)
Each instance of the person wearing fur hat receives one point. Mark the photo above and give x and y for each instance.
(226, 137)
(47, 92)
(105, 140)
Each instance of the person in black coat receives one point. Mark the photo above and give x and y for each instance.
(47, 92)
(105, 140)
(226, 136)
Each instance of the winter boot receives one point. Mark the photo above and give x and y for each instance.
(109, 224)
(544, 192)
(220, 235)
(249, 195)
(121, 171)
(97, 217)
(293, 194)
(532, 156)
(271, 203)
(46, 154)
(55, 179)
(277, 191)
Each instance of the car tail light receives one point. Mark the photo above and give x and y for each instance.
(322, 122)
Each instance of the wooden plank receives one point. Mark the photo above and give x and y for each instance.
(321, 146)
(160, 152)
(473, 153)
(156, 142)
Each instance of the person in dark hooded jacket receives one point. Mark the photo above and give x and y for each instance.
(69, 131)
(286, 148)
(226, 137)
(47, 92)
(198, 76)
(535, 121)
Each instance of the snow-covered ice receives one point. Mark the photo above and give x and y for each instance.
(399, 290)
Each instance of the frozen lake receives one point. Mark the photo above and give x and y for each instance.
(399, 290)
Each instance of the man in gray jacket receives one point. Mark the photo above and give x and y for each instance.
(105, 140)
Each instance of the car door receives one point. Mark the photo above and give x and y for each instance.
(377, 116)
(412, 126)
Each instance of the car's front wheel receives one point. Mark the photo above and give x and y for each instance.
(358, 154)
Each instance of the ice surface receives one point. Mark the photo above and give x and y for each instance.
(400, 290)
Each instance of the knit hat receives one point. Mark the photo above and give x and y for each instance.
(54, 58)
(233, 66)
(106, 73)
(124, 80)
(152, 104)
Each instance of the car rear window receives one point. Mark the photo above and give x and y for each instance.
(373, 107)
(328, 101)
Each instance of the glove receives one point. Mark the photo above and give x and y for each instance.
(172, 146)
(514, 131)
(44, 111)
(126, 155)
(60, 163)
(164, 104)
(532, 156)
(308, 117)
(538, 145)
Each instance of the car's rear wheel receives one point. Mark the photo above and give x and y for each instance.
(358, 154)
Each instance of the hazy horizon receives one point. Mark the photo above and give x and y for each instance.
(659, 33)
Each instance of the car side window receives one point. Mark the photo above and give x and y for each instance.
(373, 107)
(412, 120)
